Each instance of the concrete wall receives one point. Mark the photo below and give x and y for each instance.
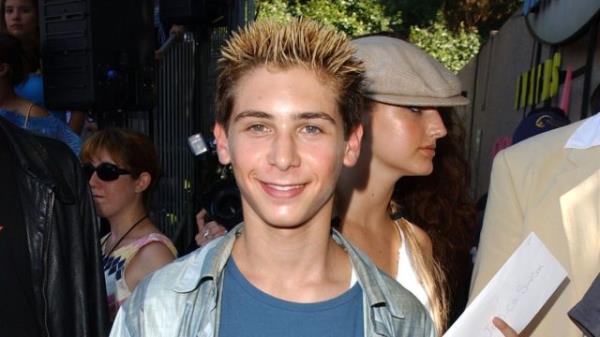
(490, 80)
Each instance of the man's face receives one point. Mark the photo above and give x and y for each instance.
(285, 141)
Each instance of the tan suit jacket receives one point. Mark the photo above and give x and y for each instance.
(539, 186)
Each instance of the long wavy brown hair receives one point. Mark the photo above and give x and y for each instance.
(440, 204)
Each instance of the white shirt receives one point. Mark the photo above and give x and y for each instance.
(587, 135)
(407, 274)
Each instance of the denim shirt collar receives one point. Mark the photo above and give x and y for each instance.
(370, 279)
(209, 262)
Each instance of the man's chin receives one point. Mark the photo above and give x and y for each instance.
(289, 221)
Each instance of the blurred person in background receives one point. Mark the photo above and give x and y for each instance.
(20, 19)
(122, 169)
(21, 111)
(548, 184)
(586, 313)
(162, 33)
(51, 281)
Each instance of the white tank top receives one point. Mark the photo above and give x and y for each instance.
(407, 275)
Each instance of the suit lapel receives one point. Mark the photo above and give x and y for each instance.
(579, 197)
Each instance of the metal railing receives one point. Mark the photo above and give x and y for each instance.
(173, 122)
(185, 87)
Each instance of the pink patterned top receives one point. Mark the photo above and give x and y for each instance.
(116, 263)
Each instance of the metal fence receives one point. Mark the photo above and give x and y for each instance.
(172, 123)
(185, 87)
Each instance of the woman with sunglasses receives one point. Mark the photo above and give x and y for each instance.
(123, 169)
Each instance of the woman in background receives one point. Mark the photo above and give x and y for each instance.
(410, 96)
(21, 111)
(20, 19)
(122, 168)
(439, 203)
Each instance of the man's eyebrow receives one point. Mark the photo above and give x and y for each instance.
(297, 116)
(252, 113)
(315, 115)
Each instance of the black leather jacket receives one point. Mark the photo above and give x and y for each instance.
(68, 280)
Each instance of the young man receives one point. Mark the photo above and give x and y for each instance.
(288, 105)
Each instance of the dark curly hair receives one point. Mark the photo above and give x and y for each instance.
(440, 204)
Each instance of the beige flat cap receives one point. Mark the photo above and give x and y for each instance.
(400, 73)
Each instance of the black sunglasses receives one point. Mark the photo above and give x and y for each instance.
(105, 171)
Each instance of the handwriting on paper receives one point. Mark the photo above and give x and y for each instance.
(516, 293)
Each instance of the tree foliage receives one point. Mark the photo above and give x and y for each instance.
(447, 29)
(352, 17)
(414, 12)
(452, 48)
(485, 15)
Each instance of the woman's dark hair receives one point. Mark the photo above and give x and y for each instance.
(12, 54)
(130, 149)
(440, 204)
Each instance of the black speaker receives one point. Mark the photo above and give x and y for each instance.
(182, 11)
(193, 12)
(98, 54)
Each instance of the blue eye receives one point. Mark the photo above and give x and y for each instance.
(415, 109)
(312, 129)
(258, 128)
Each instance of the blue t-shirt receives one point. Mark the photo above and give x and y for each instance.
(33, 90)
(49, 126)
(246, 311)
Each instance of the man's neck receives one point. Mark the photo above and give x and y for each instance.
(301, 264)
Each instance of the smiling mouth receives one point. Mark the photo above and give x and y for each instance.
(282, 190)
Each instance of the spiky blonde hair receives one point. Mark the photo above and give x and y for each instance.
(298, 43)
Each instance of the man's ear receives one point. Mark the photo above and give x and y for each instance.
(142, 182)
(222, 144)
(353, 146)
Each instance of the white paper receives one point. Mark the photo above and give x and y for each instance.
(516, 293)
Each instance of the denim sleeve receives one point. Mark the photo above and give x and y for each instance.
(119, 328)
(70, 138)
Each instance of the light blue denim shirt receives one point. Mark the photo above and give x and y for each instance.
(182, 299)
(49, 126)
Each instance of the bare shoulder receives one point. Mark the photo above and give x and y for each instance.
(423, 239)
(154, 254)
(38, 111)
(148, 259)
